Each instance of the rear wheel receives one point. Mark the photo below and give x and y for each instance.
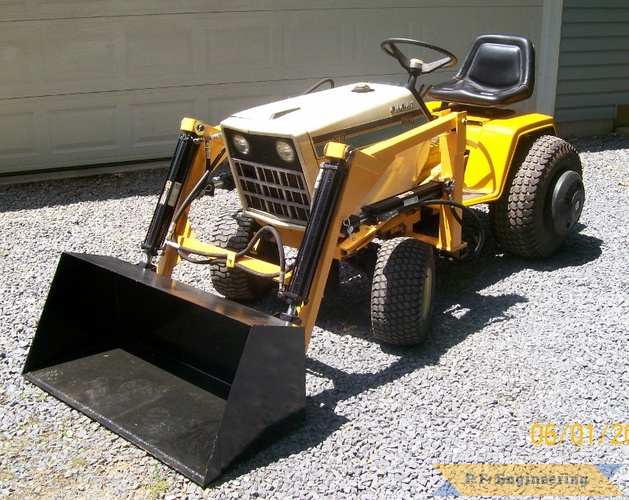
(543, 201)
(402, 291)
(234, 231)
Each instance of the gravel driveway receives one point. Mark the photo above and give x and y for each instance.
(514, 343)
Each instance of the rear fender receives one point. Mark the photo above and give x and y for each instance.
(492, 146)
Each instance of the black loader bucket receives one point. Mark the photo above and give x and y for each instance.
(194, 379)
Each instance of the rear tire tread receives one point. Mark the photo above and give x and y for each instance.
(517, 218)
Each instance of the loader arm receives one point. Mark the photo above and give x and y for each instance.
(345, 179)
(367, 166)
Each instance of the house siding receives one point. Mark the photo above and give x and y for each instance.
(593, 67)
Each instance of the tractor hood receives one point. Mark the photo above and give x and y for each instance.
(327, 111)
(277, 191)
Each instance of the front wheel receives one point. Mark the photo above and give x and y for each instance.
(543, 201)
(234, 232)
(402, 291)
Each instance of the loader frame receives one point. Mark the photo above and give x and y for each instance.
(366, 166)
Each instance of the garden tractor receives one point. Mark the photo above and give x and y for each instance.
(375, 173)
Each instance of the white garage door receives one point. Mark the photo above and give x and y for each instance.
(93, 82)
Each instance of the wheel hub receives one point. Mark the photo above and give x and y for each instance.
(567, 202)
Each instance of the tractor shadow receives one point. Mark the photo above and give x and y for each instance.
(460, 311)
(460, 308)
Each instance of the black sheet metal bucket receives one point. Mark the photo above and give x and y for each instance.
(194, 379)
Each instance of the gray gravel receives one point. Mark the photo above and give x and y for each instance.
(514, 343)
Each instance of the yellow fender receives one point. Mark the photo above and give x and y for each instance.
(492, 145)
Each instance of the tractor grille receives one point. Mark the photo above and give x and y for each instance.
(275, 191)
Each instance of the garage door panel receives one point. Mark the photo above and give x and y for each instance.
(160, 49)
(60, 131)
(70, 57)
(156, 124)
(228, 56)
(109, 80)
(322, 44)
(57, 58)
(19, 60)
(77, 130)
(19, 136)
(84, 58)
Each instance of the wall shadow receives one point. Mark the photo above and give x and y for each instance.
(34, 195)
(596, 144)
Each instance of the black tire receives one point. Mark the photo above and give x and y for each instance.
(543, 200)
(234, 231)
(402, 292)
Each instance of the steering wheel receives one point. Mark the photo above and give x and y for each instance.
(416, 66)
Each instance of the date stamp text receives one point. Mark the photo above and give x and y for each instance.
(580, 434)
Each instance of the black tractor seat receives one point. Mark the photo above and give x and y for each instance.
(498, 70)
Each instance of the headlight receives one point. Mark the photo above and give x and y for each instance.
(241, 144)
(285, 151)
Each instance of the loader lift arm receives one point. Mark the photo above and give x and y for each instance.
(335, 200)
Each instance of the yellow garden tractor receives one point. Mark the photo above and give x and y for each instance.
(337, 173)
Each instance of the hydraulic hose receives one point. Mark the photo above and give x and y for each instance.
(453, 204)
(197, 189)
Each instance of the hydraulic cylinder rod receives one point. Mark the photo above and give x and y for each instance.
(325, 201)
(162, 217)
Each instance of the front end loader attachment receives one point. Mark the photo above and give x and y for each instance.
(194, 379)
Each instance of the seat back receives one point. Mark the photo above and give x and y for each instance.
(498, 70)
